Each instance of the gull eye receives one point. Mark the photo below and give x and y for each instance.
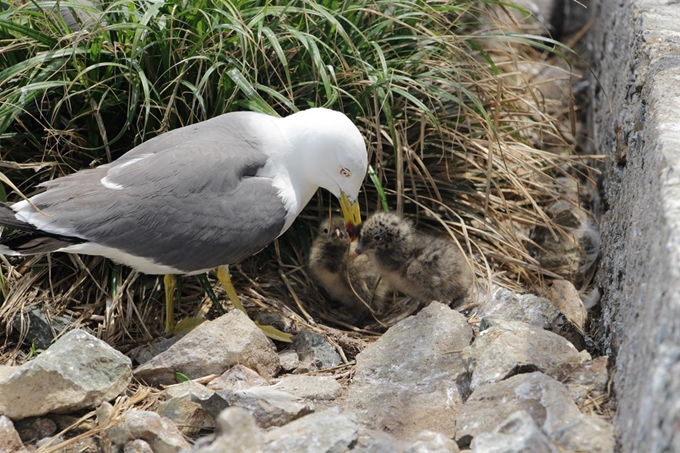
(325, 231)
(377, 238)
(345, 172)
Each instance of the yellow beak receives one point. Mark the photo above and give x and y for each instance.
(350, 211)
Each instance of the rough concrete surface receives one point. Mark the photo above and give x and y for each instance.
(634, 51)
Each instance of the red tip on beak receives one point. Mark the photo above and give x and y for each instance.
(353, 231)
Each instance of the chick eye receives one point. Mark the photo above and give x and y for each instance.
(345, 172)
(377, 238)
(325, 231)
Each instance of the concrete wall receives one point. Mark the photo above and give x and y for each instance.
(634, 51)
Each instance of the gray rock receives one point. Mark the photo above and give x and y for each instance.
(330, 431)
(374, 441)
(310, 388)
(566, 298)
(585, 378)
(237, 433)
(78, 371)
(143, 353)
(214, 404)
(211, 348)
(184, 407)
(506, 348)
(567, 330)
(590, 434)
(519, 433)
(510, 306)
(413, 377)
(545, 399)
(187, 388)
(160, 433)
(378, 446)
(9, 437)
(119, 434)
(137, 446)
(40, 330)
(314, 351)
(105, 414)
(6, 371)
(431, 442)
(289, 360)
(237, 377)
(270, 407)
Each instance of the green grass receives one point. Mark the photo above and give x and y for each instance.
(143, 68)
(452, 133)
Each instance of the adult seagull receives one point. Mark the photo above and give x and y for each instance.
(198, 197)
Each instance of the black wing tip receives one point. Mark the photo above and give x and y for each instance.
(34, 243)
(27, 239)
(8, 219)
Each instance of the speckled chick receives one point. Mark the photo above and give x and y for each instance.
(421, 266)
(335, 266)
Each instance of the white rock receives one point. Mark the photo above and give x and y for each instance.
(211, 348)
(237, 433)
(408, 380)
(9, 437)
(431, 442)
(330, 431)
(545, 399)
(160, 433)
(310, 388)
(509, 347)
(78, 371)
(519, 433)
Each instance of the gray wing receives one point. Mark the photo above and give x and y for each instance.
(192, 200)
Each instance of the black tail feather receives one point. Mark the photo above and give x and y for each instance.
(31, 244)
(27, 239)
(8, 219)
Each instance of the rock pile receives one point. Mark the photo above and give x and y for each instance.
(434, 382)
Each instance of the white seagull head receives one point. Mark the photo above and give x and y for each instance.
(335, 157)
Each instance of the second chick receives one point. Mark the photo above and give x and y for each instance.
(421, 266)
(347, 278)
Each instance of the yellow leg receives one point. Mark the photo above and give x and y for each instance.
(186, 324)
(170, 284)
(225, 278)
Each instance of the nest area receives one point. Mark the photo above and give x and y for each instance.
(480, 164)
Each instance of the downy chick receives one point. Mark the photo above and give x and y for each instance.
(334, 265)
(421, 266)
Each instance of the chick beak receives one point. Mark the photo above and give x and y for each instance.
(351, 212)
